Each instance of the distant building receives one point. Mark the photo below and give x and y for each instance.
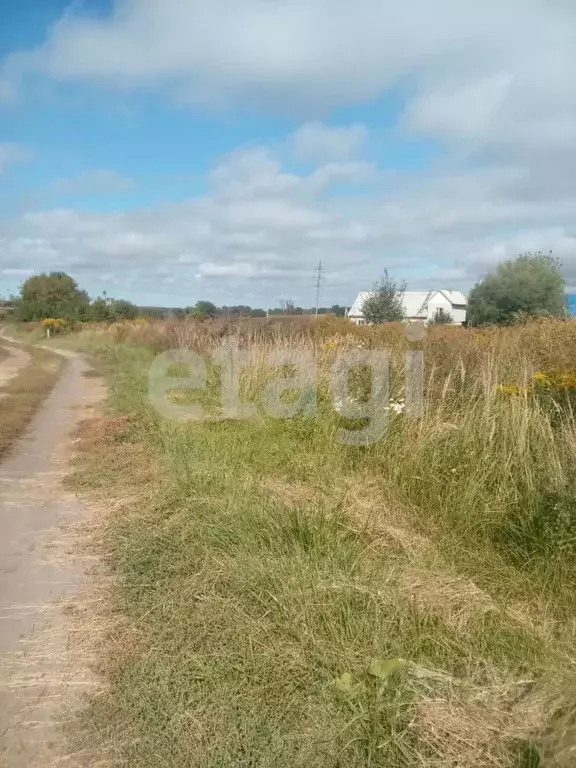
(419, 305)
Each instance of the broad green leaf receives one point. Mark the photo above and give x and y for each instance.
(384, 668)
(344, 683)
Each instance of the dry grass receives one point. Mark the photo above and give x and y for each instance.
(545, 344)
(466, 726)
(22, 395)
(456, 599)
(258, 569)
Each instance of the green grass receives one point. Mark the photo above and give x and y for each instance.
(259, 570)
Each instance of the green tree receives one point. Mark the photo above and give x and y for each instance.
(203, 309)
(100, 310)
(531, 285)
(51, 295)
(123, 310)
(385, 304)
(442, 317)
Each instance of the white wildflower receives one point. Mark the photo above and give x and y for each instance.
(398, 405)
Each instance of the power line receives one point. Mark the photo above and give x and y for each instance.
(318, 284)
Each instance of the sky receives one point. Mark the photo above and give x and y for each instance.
(167, 151)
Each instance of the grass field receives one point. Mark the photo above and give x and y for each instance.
(279, 599)
(23, 394)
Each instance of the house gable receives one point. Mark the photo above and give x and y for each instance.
(419, 305)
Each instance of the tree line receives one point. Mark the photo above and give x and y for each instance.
(58, 295)
(287, 307)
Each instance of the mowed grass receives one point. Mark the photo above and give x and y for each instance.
(279, 599)
(23, 394)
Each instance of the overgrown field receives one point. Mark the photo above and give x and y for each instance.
(279, 599)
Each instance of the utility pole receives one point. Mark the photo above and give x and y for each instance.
(318, 283)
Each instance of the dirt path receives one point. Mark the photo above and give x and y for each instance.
(16, 360)
(39, 569)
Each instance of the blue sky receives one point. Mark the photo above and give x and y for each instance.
(167, 151)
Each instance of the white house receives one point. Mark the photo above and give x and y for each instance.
(419, 305)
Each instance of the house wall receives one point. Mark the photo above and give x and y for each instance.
(436, 303)
(459, 316)
(439, 302)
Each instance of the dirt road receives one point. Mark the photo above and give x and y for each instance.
(17, 359)
(39, 569)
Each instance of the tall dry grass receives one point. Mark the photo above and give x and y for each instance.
(540, 344)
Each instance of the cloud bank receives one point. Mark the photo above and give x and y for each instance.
(490, 84)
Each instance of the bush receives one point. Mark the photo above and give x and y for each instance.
(542, 526)
(385, 304)
(54, 295)
(529, 286)
(442, 317)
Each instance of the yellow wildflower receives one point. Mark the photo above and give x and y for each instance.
(540, 378)
(331, 344)
(510, 390)
(54, 323)
(555, 379)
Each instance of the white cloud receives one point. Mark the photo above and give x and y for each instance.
(99, 181)
(259, 232)
(460, 110)
(308, 54)
(16, 272)
(252, 172)
(494, 79)
(243, 269)
(318, 142)
(12, 153)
